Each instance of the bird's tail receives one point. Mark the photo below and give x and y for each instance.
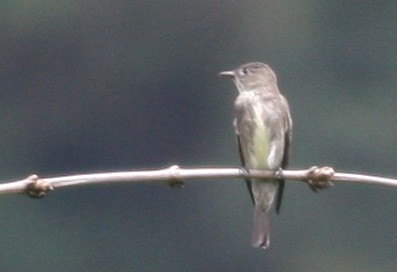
(261, 231)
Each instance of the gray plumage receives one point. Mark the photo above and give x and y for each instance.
(263, 127)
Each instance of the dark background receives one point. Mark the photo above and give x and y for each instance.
(93, 86)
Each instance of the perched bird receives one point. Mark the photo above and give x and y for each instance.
(263, 127)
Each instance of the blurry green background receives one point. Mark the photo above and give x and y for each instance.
(91, 86)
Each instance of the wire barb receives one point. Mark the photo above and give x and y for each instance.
(175, 181)
(36, 187)
(319, 178)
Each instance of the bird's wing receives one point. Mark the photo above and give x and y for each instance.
(247, 181)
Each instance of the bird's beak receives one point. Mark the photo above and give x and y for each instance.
(227, 74)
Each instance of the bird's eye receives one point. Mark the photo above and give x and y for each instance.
(246, 71)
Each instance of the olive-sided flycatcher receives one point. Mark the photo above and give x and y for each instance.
(263, 126)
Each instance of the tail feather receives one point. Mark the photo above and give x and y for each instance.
(261, 231)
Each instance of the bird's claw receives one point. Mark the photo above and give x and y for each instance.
(279, 173)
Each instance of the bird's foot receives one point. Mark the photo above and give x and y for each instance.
(279, 173)
(245, 171)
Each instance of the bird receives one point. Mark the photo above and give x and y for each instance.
(263, 126)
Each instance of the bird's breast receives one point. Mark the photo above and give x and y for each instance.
(260, 149)
(251, 125)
